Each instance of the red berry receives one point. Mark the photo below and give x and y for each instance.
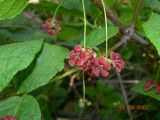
(117, 62)
(101, 67)
(78, 48)
(83, 59)
(9, 117)
(58, 26)
(52, 26)
(51, 32)
(77, 56)
(149, 84)
(88, 62)
(47, 25)
(87, 66)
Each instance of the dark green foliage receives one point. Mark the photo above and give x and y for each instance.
(34, 63)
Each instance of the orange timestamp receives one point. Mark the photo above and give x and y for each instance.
(134, 107)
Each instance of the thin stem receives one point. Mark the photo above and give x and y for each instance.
(124, 94)
(136, 11)
(85, 28)
(63, 75)
(85, 24)
(88, 23)
(80, 114)
(55, 13)
(105, 16)
(84, 87)
(84, 96)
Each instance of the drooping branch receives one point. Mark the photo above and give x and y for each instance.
(116, 21)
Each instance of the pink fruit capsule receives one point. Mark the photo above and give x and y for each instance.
(9, 117)
(149, 84)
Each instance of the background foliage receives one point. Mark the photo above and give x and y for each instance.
(34, 71)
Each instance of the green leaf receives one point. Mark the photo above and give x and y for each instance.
(49, 63)
(68, 33)
(98, 36)
(76, 5)
(24, 108)
(11, 8)
(154, 4)
(139, 89)
(152, 30)
(28, 34)
(51, 7)
(16, 57)
(72, 4)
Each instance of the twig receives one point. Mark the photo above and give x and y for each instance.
(116, 46)
(123, 81)
(72, 85)
(115, 20)
(13, 26)
(63, 75)
(72, 79)
(127, 35)
(108, 81)
(124, 94)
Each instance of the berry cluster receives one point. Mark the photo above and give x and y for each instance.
(9, 117)
(52, 26)
(117, 62)
(150, 84)
(86, 60)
